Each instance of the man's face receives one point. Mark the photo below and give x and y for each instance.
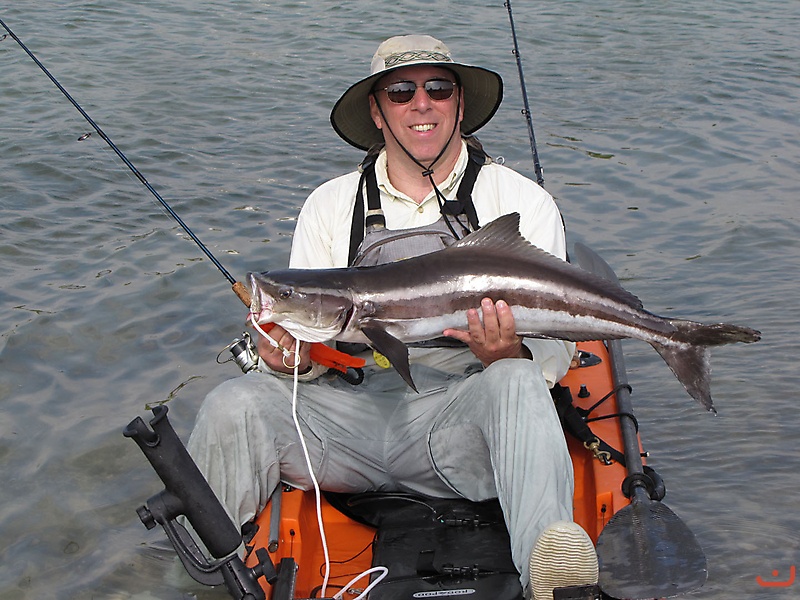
(422, 125)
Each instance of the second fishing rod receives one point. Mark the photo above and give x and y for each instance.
(537, 167)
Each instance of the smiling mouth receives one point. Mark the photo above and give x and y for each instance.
(425, 127)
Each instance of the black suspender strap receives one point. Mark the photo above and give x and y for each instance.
(477, 158)
(374, 212)
(462, 205)
(368, 179)
(357, 226)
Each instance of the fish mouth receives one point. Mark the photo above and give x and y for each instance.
(261, 302)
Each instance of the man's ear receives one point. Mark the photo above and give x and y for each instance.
(374, 112)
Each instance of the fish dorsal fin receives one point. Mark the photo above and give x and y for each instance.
(500, 234)
(503, 236)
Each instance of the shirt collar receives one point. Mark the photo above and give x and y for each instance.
(448, 187)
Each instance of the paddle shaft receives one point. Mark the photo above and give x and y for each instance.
(630, 437)
(591, 261)
(645, 550)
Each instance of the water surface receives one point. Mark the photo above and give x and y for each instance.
(668, 133)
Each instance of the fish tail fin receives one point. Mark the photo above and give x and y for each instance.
(692, 367)
(715, 334)
(687, 353)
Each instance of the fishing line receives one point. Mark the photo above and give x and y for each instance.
(428, 171)
(238, 288)
(383, 573)
(537, 167)
(314, 482)
(317, 491)
(273, 342)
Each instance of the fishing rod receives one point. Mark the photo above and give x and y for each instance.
(239, 289)
(244, 352)
(537, 167)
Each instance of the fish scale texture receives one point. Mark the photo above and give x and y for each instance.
(563, 555)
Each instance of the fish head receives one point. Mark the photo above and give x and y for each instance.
(300, 302)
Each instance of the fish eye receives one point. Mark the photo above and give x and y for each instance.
(285, 293)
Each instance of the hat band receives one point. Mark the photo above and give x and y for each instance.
(415, 55)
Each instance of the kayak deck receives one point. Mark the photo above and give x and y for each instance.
(598, 495)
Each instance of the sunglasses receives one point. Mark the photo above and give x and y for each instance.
(403, 92)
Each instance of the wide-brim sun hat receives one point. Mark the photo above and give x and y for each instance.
(483, 89)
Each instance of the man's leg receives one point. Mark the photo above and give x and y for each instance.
(245, 441)
(500, 436)
(237, 445)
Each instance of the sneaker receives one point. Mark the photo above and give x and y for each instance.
(563, 557)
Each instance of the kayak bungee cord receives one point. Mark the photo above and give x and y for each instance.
(238, 287)
(527, 109)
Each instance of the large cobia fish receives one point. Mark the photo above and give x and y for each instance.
(412, 300)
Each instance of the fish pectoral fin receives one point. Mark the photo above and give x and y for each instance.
(392, 348)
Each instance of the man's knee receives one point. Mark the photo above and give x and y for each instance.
(238, 400)
(516, 380)
(514, 369)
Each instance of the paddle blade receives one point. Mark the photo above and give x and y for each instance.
(645, 551)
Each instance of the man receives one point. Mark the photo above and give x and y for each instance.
(483, 424)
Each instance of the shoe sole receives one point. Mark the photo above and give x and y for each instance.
(563, 556)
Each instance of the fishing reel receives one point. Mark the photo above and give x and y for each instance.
(244, 354)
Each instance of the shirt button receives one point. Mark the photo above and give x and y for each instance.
(420, 210)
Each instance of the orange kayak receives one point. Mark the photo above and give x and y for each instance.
(644, 550)
(598, 496)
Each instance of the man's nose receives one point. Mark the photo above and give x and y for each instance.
(421, 100)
